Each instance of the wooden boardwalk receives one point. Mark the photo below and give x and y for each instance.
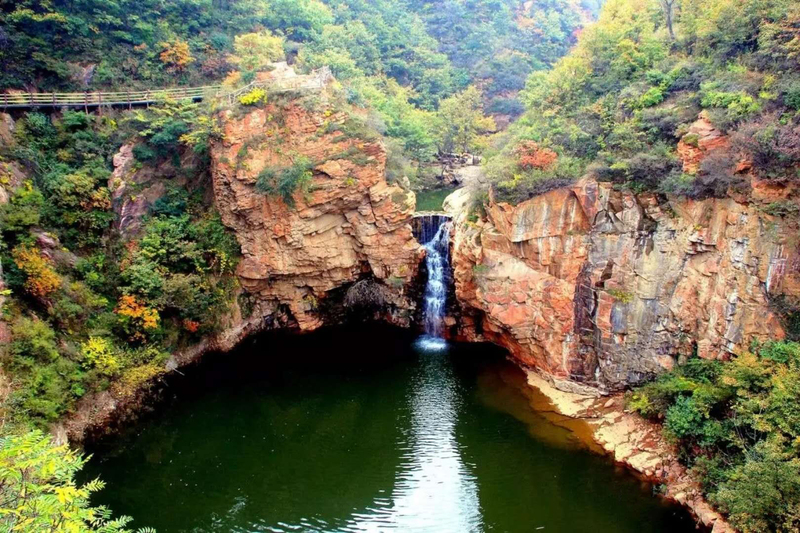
(105, 99)
(97, 100)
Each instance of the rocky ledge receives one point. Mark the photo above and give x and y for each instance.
(635, 443)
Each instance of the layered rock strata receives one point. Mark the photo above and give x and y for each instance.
(597, 286)
(346, 225)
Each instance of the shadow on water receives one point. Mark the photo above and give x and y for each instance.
(356, 430)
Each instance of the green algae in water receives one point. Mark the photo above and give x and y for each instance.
(354, 430)
(432, 200)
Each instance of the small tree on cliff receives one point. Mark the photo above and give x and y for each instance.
(669, 12)
(460, 121)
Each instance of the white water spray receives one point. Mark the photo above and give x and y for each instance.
(437, 260)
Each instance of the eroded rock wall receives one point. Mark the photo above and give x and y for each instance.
(348, 226)
(604, 287)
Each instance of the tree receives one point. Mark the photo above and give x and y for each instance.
(38, 491)
(176, 55)
(668, 6)
(300, 20)
(255, 51)
(460, 120)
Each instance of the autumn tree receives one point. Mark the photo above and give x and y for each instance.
(38, 491)
(176, 55)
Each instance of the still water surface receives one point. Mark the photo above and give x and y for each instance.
(358, 430)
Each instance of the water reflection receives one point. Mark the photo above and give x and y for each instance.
(434, 490)
(297, 437)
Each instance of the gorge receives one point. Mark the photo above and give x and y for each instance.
(414, 265)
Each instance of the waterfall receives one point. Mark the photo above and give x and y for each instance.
(437, 261)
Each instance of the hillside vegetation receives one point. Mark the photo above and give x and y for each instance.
(618, 104)
(89, 308)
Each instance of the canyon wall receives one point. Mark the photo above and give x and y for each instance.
(604, 287)
(347, 229)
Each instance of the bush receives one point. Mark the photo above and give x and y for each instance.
(763, 493)
(144, 153)
(48, 383)
(285, 182)
(737, 423)
(257, 96)
(772, 147)
(100, 354)
(136, 319)
(38, 490)
(792, 96)
(40, 278)
(23, 210)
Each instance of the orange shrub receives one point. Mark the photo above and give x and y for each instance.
(136, 318)
(530, 156)
(41, 279)
(176, 55)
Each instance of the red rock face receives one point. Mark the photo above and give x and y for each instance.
(704, 138)
(606, 287)
(349, 224)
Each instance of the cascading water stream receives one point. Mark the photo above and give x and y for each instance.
(437, 261)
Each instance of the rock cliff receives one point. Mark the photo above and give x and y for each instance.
(604, 287)
(347, 234)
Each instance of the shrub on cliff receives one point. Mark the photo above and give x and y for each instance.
(737, 424)
(284, 182)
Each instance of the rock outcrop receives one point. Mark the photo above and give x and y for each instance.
(603, 287)
(346, 225)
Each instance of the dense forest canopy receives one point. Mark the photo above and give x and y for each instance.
(436, 48)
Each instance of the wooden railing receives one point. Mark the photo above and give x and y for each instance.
(314, 81)
(100, 99)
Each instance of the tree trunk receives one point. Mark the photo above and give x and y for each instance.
(668, 10)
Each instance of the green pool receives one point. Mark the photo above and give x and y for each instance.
(356, 430)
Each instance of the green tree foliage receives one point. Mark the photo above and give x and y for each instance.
(71, 330)
(460, 121)
(255, 51)
(620, 101)
(737, 424)
(38, 491)
(285, 182)
(49, 382)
